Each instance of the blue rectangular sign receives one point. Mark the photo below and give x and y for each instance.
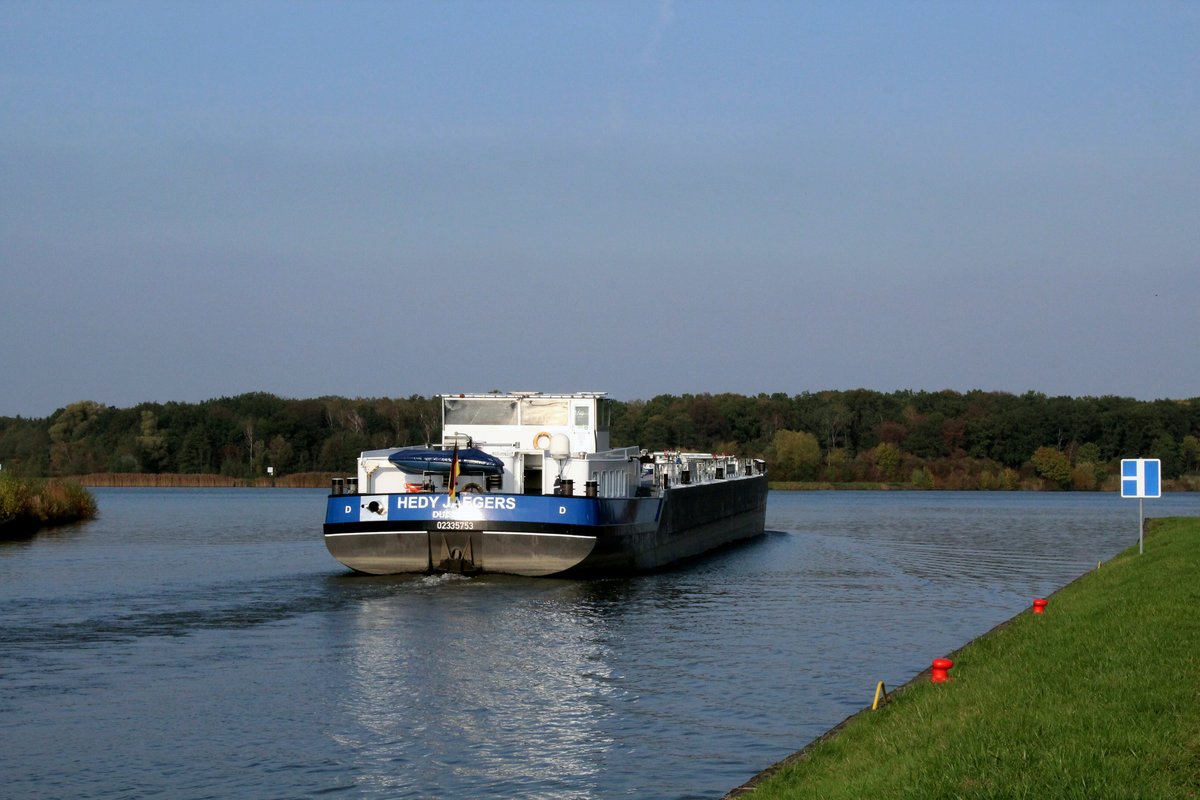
(1140, 478)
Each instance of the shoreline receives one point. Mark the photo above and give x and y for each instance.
(891, 697)
(172, 480)
(321, 480)
(847, 756)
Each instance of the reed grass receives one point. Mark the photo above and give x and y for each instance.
(27, 504)
(1097, 698)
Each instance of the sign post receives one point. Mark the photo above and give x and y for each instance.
(1141, 478)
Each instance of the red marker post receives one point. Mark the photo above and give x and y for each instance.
(1039, 606)
(940, 667)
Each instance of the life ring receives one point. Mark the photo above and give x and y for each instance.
(538, 438)
(472, 487)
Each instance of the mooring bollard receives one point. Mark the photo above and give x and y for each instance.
(940, 665)
(1039, 606)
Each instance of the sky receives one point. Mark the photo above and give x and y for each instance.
(368, 199)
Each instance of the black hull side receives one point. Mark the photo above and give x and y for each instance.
(696, 519)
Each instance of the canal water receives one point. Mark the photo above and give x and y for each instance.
(202, 644)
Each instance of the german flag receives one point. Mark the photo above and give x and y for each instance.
(454, 473)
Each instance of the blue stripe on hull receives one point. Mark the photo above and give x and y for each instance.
(490, 508)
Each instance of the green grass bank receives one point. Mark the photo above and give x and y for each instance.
(28, 504)
(1097, 698)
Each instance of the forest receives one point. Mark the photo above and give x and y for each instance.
(944, 439)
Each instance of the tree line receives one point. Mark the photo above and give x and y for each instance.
(944, 439)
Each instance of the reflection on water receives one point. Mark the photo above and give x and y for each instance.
(236, 659)
(499, 698)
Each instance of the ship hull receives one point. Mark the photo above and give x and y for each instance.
(539, 535)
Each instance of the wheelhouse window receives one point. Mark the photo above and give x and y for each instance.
(479, 411)
(544, 412)
(603, 414)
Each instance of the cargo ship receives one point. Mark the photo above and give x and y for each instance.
(526, 483)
